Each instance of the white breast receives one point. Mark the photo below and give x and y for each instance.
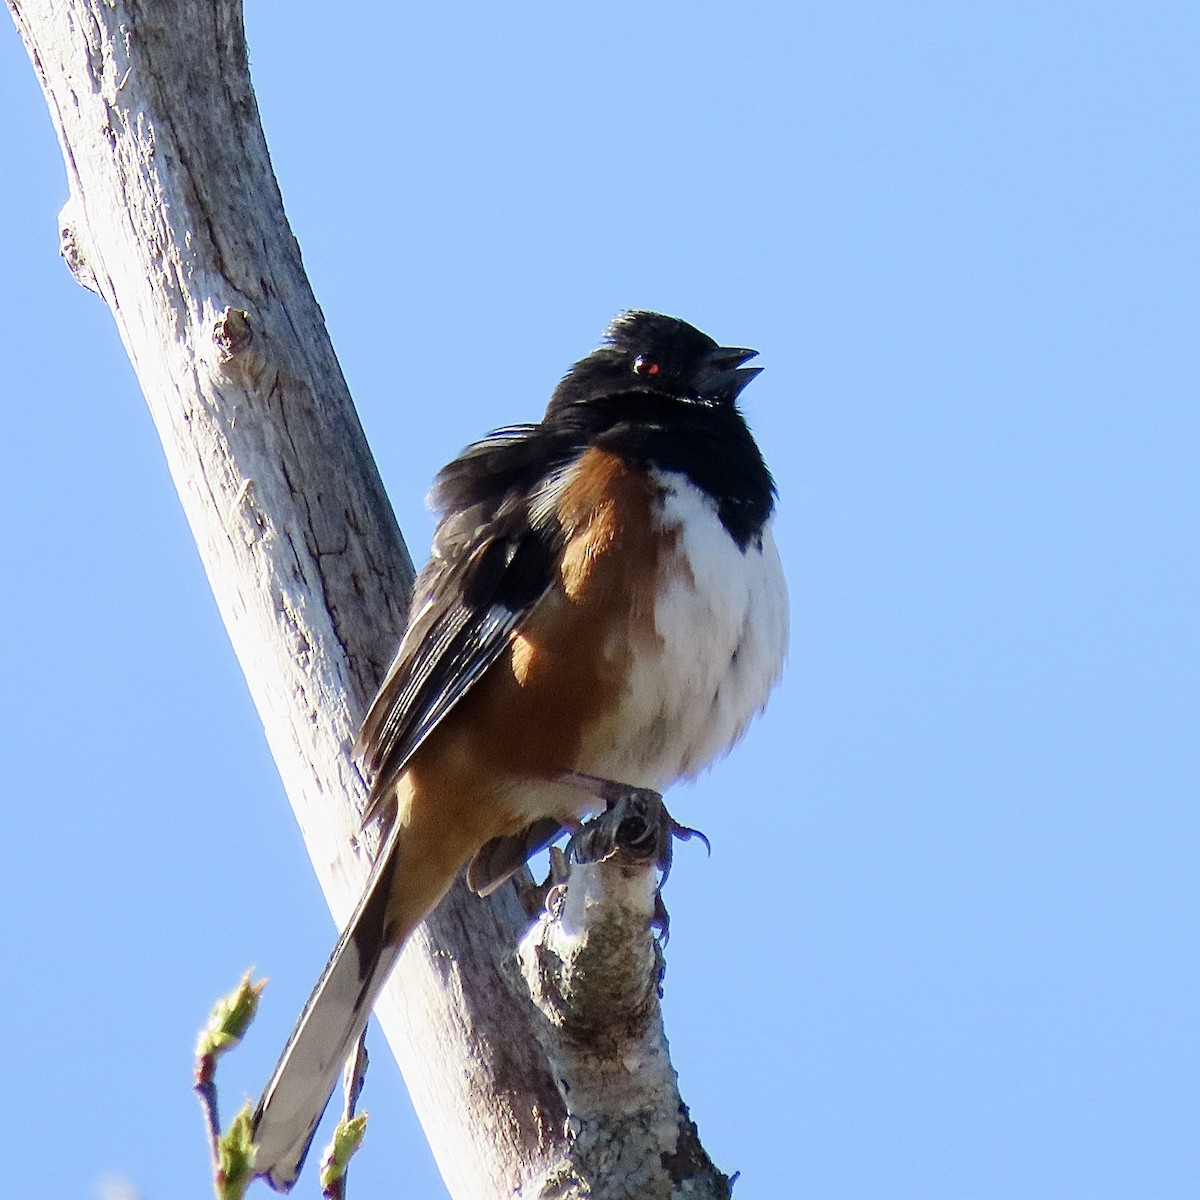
(722, 624)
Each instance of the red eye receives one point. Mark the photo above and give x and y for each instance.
(646, 366)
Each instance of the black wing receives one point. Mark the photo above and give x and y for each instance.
(494, 557)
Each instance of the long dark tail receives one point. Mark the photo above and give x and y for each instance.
(336, 1014)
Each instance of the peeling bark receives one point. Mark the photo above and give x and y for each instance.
(176, 221)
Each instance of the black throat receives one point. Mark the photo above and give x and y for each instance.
(709, 444)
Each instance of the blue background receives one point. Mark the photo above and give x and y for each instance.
(945, 946)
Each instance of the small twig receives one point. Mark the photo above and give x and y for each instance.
(235, 1157)
(205, 1088)
(232, 1153)
(354, 1076)
(348, 1136)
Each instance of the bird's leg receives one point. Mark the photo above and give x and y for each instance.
(608, 790)
(635, 821)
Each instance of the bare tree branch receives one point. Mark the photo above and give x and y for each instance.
(176, 221)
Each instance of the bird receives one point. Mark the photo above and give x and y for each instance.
(604, 607)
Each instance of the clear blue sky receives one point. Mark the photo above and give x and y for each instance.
(946, 944)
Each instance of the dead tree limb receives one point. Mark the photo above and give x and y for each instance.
(176, 221)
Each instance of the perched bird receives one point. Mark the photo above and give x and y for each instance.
(604, 606)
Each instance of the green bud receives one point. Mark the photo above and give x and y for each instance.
(230, 1018)
(235, 1158)
(347, 1138)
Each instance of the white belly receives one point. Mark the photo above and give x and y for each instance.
(722, 624)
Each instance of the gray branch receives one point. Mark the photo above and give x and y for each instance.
(176, 221)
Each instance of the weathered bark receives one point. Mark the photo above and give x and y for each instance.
(175, 219)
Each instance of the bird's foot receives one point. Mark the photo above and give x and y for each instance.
(635, 822)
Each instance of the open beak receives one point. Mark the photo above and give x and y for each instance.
(721, 376)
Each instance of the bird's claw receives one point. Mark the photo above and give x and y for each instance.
(685, 833)
(661, 920)
(631, 823)
(635, 821)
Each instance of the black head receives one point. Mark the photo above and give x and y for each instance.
(664, 395)
(658, 356)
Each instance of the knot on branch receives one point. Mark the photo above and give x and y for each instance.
(232, 334)
(238, 352)
(71, 246)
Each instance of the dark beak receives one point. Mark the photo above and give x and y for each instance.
(720, 377)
